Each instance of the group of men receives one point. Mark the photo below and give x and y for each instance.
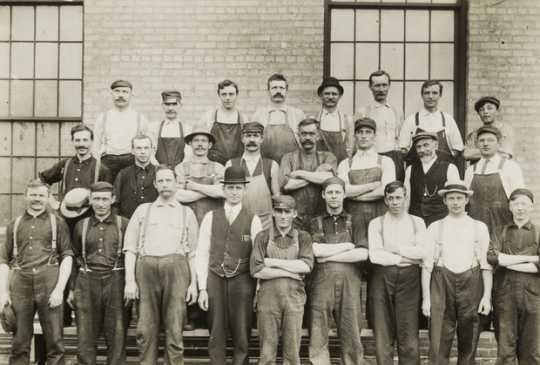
(286, 213)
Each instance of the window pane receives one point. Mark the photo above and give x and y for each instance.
(24, 138)
(346, 102)
(416, 61)
(71, 20)
(46, 60)
(417, 25)
(442, 61)
(70, 99)
(367, 25)
(21, 98)
(395, 95)
(341, 61)
(4, 98)
(392, 25)
(4, 60)
(363, 95)
(446, 103)
(23, 23)
(5, 165)
(45, 99)
(342, 25)
(66, 146)
(4, 23)
(47, 140)
(25, 171)
(392, 59)
(413, 100)
(442, 26)
(47, 23)
(71, 60)
(367, 59)
(444, 1)
(22, 60)
(5, 141)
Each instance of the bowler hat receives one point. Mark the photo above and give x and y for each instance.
(75, 203)
(199, 130)
(8, 319)
(234, 175)
(329, 82)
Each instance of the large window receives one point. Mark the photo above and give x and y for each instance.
(412, 40)
(41, 60)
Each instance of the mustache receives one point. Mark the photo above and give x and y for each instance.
(278, 94)
(120, 98)
(251, 144)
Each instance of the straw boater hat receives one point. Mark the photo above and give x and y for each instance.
(75, 203)
(455, 187)
(199, 130)
(234, 175)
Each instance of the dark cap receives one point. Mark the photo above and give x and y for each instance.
(8, 319)
(424, 135)
(101, 186)
(522, 191)
(329, 82)
(486, 99)
(234, 175)
(365, 122)
(121, 83)
(333, 181)
(171, 96)
(489, 129)
(252, 127)
(283, 202)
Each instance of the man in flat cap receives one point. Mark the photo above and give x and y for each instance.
(336, 282)
(431, 119)
(115, 128)
(487, 108)
(388, 119)
(336, 129)
(171, 148)
(226, 288)
(492, 179)
(261, 172)
(37, 249)
(516, 295)
(280, 258)
(456, 278)
(225, 124)
(97, 283)
(425, 177)
(302, 172)
(279, 119)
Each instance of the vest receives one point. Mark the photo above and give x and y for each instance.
(230, 245)
(266, 168)
(425, 201)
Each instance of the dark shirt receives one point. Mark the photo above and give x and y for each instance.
(134, 186)
(259, 252)
(80, 174)
(34, 242)
(515, 241)
(327, 228)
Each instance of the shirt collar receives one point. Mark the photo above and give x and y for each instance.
(172, 203)
(276, 233)
(147, 168)
(380, 105)
(283, 107)
(495, 159)
(528, 226)
(107, 220)
(424, 112)
(232, 208)
(371, 152)
(326, 112)
(87, 159)
(40, 215)
(343, 214)
(251, 158)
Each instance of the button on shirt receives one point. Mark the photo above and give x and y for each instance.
(459, 252)
(205, 236)
(511, 174)
(365, 160)
(388, 121)
(331, 224)
(401, 236)
(34, 241)
(517, 241)
(166, 233)
(279, 115)
(133, 186)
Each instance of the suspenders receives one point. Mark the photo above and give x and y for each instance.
(120, 243)
(52, 218)
(415, 228)
(439, 243)
(379, 161)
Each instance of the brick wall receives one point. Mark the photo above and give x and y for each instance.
(504, 60)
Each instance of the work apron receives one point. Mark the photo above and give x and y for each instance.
(335, 289)
(443, 152)
(170, 150)
(279, 139)
(309, 202)
(202, 174)
(258, 198)
(334, 142)
(228, 143)
(489, 202)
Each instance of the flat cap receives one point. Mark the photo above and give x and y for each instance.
(252, 127)
(121, 83)
(423, 135)
(365, 122)
(522, 191)
(489, 129)
(171, 96)
(486, 99)
(283, 202)
(101, 186)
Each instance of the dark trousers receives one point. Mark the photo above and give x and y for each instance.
(395, 299)
(335, 292)
(115, 163)
(517, 317)
(230, 311)
(454, 305)
(30, 291)
(99, 309)
(163, 283)
(280, 308)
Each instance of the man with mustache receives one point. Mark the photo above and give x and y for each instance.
(388, 120)
(302, 172)
(279, 119)
(225, 124)
(425, 177)
(431, 119)
(37, 248)
(262, 173)
(492, 179)
(171, 148)
(115, 128)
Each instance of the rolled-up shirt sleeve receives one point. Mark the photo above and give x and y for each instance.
(64, 239)
(256, 261)
(202, 253)
(131, 239)
(305, 253)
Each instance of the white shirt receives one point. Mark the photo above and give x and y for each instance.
(202, 256)
(365, 160)
(431, 122)
(251, 164)
(511, 174)
(465, 241)
(396, 239)
(389, 122)
(279, 115)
